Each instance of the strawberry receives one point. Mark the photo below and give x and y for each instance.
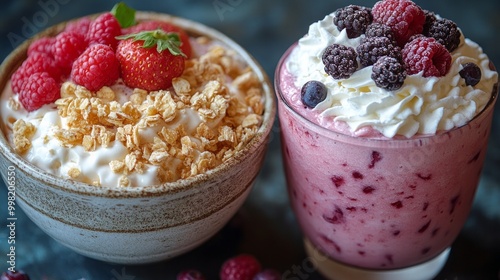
(150, 59)
(165, 26)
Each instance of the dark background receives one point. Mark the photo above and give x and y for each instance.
(265, 226)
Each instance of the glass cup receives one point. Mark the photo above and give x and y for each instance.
(380, 209)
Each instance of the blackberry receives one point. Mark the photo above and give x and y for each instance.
(471, 73)
(354, 19)
(312, 93)
(430, 18)
(380, 30)
(372, 48)
(388, 73)
(445, 32)
(340, 61)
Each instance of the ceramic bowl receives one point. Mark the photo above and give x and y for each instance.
(138, 225)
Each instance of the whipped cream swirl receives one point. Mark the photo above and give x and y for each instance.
(421, 106)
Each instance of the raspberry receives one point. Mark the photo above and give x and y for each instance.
(427, 55)
(104, 30)
(354, 19)
(80, 26)
(471, 73)
(372, 48)
(340, 61)
(38, 90)
(241, 267)
(96, 67)
(380, 30)
(35, 63)
(16, 275)
(312, 93)
(67, 47)
(445, 32)
(403, 16)
(42, 45)
(190, 275)
(388, 73)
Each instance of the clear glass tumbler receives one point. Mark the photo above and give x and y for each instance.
(380, 208)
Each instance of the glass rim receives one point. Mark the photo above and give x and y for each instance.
(277, 86)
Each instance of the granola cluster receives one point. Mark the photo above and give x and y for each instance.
(213, 110)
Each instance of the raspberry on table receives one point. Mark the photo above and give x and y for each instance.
(388, 73)
(404, 16)
(471, 73)
(445, 32)
(38, 90)
(354, 19)
(380, 30)
(104, 30)
(35, 63)
(372, 48)
(190, 274)
(340, 61)
(16, 275)
(96, 67)
(67, 47)
(43, 45)
(241, 267)
(427, 55)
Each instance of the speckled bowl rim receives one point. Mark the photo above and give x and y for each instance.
(15, 58)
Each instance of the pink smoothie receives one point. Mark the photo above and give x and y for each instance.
(376, 202)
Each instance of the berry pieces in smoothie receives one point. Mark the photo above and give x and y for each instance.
(336, 216)
(243, 267)
(16, 275)
(312, 93)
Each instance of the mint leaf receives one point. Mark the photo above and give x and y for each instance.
(124, 14)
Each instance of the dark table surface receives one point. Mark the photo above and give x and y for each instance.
(265, 225)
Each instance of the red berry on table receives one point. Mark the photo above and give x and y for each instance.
(35, 63)
(150, 60)
(104, 30)
(96, 67)
(67, 47)
(190, 275)
(17, 275)
(38, 90)
(427, 55)
(165, 26)
(241, 267)
(404, 17)
(43, 45)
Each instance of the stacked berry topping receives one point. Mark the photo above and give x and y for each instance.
(94, 53)
(398, 38)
